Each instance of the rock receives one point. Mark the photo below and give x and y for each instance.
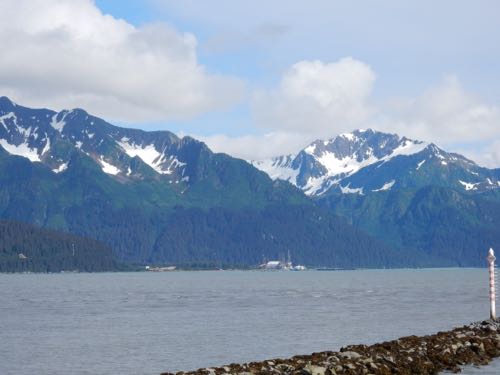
(316, 370)
(350, 355)
(333, 359)
(373, 366)
(476, 343)
(389, 359)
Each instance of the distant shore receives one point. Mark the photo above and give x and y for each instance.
(477, 344)
(172, 269)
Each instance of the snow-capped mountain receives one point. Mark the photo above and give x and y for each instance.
(367, 161)
(49, 137)
(157, 198)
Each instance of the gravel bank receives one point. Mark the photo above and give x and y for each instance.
(476, 343)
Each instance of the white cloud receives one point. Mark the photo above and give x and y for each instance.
(486, 154)
(491, 158)
(450, 116)
(320, 100)
(445, 113)
(257, 147)
(318, 97)
(66, 53)
(313, 100)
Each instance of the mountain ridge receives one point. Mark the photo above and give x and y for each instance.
(122, 187)
(337, 164)
(155, 197)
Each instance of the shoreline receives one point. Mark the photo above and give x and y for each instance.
(243, 270)
(473, 344)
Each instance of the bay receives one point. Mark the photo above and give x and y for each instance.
(147, 323)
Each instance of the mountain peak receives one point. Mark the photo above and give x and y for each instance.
(6, 103)
(351, 162)
(324, 163)
(359, 133)
(50, 138)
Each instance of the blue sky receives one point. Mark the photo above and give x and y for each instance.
(259, 78)
(409, 44)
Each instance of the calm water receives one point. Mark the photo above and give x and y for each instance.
(146, 323)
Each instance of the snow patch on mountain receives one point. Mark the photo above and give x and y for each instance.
(348, 190)
(61, 168)
(59, 124)
(348, 136)
(46, 148)
(409, 147)
(22, 149)
(347, 165)
(8, 116)
(468, 185)
(329, 162)
(420, 164)
(108, 168)
(278, 168)
(310, 149)
(315, 185)
(147, 153)
(159, 161)
(174, 164)
(386, 186)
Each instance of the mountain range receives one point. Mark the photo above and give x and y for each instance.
(367, 161)
(363, 199)
(157, 198)
(409, 194)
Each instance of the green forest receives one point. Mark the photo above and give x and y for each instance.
(26, 248)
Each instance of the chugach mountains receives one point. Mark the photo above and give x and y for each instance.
(364, 199)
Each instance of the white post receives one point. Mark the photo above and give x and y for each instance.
(491, 260)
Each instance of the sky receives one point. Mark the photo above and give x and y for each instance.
(263, 78)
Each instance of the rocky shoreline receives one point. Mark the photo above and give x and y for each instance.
(476, 344)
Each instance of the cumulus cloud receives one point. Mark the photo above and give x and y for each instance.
(486, 154)
(258, 147)
(315, 99)
(66, 53)
(325, 99)
(262, 35)
(445, 113)
(491, 156)
(318, 97)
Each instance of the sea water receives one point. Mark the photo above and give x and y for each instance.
(147, 323)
